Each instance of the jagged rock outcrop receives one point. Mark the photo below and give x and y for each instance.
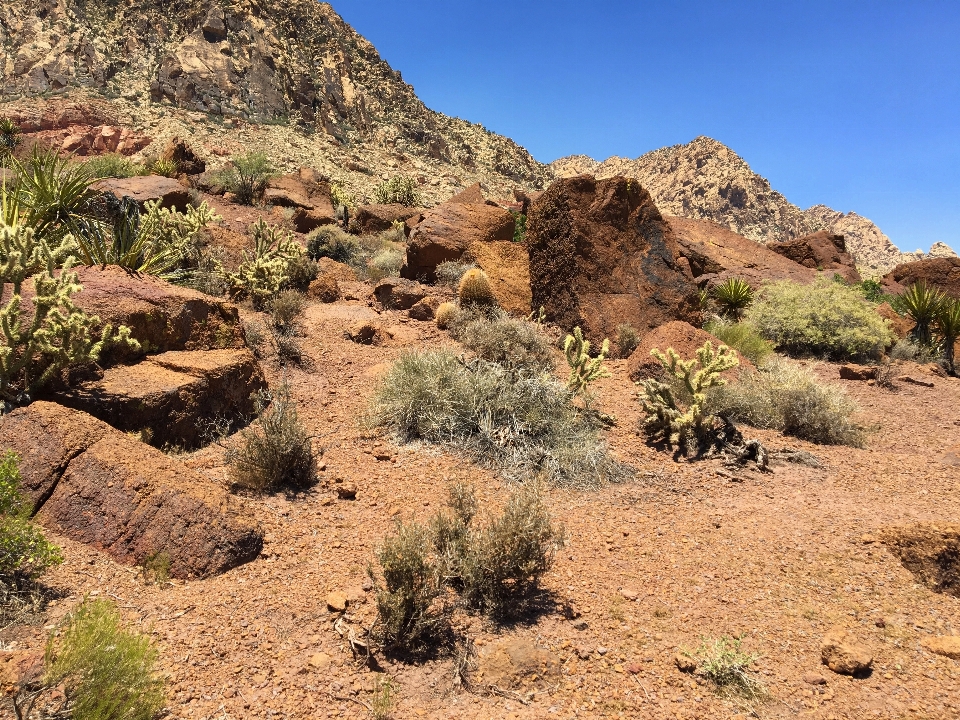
(706, 180)
(295, 62)
(601, 254)
(824, 251)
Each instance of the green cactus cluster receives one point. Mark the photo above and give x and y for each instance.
(681, 427)
(266, 271)
(583, 368)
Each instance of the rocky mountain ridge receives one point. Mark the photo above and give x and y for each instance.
(706, 180)
(214, 66)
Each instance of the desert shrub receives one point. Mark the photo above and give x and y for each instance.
(37, 343)
(450, 530)
(522, 424)
(445, 315)
(821, 319)
(628, 340)
(385, 263)
(506, 558)
(907, 349)
(10, 136)
(584, 369)
(676, 412)
(266, 271)
(733, 295)
(723, 663)
(105, 671)
(742, 337)
(871, 290)
(340, 196)
(451, 272)
(507, 341)
(275, 451)
(165, 167)
(519, 227)
(475, 289)
(246, 176)
(400, 190)
(921, 303)
(114, 165)
(787, 397)
(286, 310)
(25, 553)
(411, 616)
(329, 241)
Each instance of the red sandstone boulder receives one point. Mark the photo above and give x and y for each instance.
(943, 273)
(374, 219)
(601, 254)
(507, 265)
(188, 162)
(448, 230)
(682, 337)
(101, 487)
(824, 251)
(715, 254)
(143, 189)
(399, 293)
(308, 194)
(171, 398)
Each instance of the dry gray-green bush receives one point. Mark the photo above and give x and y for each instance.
(330, 241)
(742, 337)
(450, 273)
(493, 335)
(275, 451)
(524, 425)
(505, 559)
(286, 310)
(723, 663)
(411, 614)
(628, 339)
(906, 349)
(451, 532)
(385, 263)
(787, 397)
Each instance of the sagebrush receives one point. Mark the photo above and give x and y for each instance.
(25, 553)
(499, 338)
(742, 337)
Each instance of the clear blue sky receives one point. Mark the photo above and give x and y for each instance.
(852, 104)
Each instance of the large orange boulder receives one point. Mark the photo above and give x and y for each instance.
(146, 188)
(507, 265)
(715, 254)
(682, 337)
(101, 487)
(823, 250)
(448, 230)
(601, 254)
(171, 399)
(943, 273)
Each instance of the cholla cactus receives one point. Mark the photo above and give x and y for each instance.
(265, 272)
(59, 334)
(583, 368)
(665, 417)
(475, 289)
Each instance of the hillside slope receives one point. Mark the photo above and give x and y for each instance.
(706, 180)
(295, 65)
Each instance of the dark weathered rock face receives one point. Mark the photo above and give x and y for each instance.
(377, 218)
(171, 397)
(943, 273)
(715, 254)
(821, 250)
(601, 254)
(296, 61)
(106, 489)
(931, 551)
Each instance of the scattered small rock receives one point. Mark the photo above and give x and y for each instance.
(365, 333)
(812, 678)
(684, 663)
(629, 594)
(634, 668)
(841, 652)
(320, 661)
(915, 381)
(857, 372)
(337, 601)
(347, 491)
(946, 645)
(579, 625)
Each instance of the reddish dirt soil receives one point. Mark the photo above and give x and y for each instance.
(779, 558)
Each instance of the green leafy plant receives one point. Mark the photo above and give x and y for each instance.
(246, 177)
(398, 190)
(584, 369)
(165, 167)
(113, 165)
(411, 616)
(733, 295)
(35, 347)
(871, 290)
(723, 662)
(666, 418)
(787, 397)
(742, 337)
(948, 329)
(25, 553)
(265, 271)
(10, 136)
(921, 303)
(275, 452)
(155, 568)
(340, 197)
(519, 227)
(823, 318)
(383, 699)
(105, 671)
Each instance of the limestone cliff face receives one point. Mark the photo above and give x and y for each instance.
(706, 180)
(295, 61)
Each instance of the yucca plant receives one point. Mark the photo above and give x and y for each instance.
(948, 328)
(733, 295)
(921, 303)
(10, 136)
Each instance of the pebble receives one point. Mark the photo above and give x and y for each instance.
(337, 601)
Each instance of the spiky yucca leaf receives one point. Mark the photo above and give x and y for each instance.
(921, 303)
(733, 295)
